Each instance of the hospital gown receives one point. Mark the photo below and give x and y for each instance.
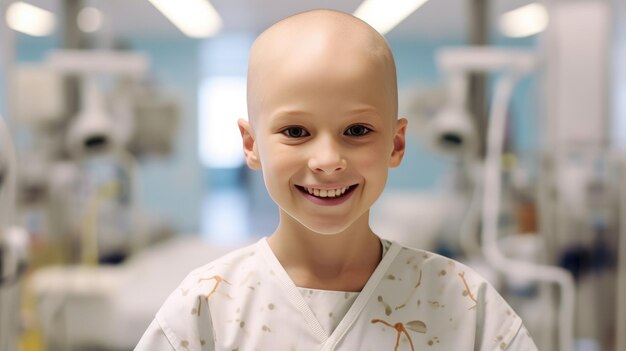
(414, 300)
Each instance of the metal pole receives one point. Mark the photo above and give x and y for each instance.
(619, 111)
(478, 34)
(620, 342)
(7, 65)
(72, 39)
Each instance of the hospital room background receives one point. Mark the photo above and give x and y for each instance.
(121, 166)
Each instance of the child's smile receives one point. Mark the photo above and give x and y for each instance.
(327, 196)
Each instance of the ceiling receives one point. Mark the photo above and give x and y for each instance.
(138, 18)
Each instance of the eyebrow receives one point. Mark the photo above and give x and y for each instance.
(296, 113)
(278, 116)
(365, 110)
(286, 116)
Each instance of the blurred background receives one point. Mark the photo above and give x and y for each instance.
(121, 166)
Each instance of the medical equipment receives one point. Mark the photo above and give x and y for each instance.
(13, 245)
(93, 128)
(121, 119)
(93, 197)
(512, 64)
(98, 142)
(577, 186)
(92, 134)
(452, 130)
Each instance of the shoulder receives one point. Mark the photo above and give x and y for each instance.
(435, 267)
(446, 284)
(228, 264)
(220, 270)
(186, 315)
(443, 274)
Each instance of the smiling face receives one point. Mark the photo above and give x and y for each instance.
(323, 119)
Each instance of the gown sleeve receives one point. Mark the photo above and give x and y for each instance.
(154, 339)
(502, 328)
(183, 323)
(522, 341)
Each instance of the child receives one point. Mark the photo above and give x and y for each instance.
(323, 128)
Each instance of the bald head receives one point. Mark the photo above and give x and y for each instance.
(320, 42)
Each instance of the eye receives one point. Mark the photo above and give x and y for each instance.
(357, 130)
(295, 132)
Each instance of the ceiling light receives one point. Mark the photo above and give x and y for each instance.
(384, 15)
(195, 18)
(89, 19)
(29, 19)
(524, 21)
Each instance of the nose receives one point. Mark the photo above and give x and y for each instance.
(326, 157)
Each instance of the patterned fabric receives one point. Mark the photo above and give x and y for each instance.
(414, 300)
(329, 307)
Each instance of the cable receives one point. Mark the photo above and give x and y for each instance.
(468, 238)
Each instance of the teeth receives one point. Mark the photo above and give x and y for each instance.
(326, 192)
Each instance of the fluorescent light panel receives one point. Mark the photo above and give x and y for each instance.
(524, 21)
(28, 19)
(195, 18)
(384, 15)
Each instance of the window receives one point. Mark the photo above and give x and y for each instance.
(222, 102)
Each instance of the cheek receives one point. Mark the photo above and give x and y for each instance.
(278, 164)
(374, 166)
(373, 158)
(278, 157)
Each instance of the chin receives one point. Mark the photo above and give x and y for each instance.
(329, 224)
(327, 228)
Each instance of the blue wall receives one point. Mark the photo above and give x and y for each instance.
(421, 168)
(173, 187)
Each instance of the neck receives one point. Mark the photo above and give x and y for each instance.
(342, 261)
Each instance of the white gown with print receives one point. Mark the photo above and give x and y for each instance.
(414, 300)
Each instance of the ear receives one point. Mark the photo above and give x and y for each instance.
(249, 144)
(399, 143)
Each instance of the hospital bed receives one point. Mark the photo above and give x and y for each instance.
(109, 307)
